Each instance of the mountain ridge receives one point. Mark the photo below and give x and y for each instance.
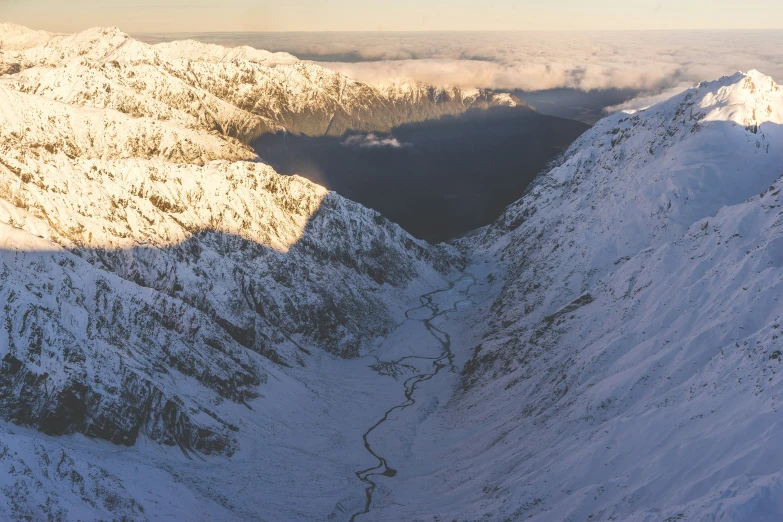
(266, 92)
(633, 338)
(182, 262)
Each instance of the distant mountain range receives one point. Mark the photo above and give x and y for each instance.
(238, 92)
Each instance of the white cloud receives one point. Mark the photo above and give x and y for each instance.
(372, 141)
(492, 75)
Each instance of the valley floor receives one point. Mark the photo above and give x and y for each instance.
(337, 440)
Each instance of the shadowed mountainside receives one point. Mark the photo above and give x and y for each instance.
(114, 343)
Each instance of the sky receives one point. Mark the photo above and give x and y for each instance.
(135, 16)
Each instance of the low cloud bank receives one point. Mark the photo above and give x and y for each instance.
(644, 61)
(647, 62)
(516, 76)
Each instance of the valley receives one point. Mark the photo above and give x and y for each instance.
(186, 333)
(423, 368)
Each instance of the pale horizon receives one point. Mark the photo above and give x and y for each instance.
(139, 16)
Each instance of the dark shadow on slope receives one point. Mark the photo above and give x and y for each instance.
(442, 177)
(116, 344)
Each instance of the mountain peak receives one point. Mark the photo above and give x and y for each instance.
(750, 99)
(15, 37)
(752, 81)
(105, 35)
(203, 52)
(760, 77)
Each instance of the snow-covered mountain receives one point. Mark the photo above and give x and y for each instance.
(185, 334)
(153, 271)
(629, 370)
(237, 92)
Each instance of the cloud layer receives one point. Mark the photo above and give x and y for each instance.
(648, 62)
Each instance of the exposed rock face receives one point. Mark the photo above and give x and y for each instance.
(44, 482)
(174, 269)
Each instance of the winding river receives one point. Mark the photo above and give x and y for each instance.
(444, 361)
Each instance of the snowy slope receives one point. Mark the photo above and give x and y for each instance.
(198, 51)
(154, 275)
(141, 91)
(630, 369)
(32, 123)
(17, 38)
